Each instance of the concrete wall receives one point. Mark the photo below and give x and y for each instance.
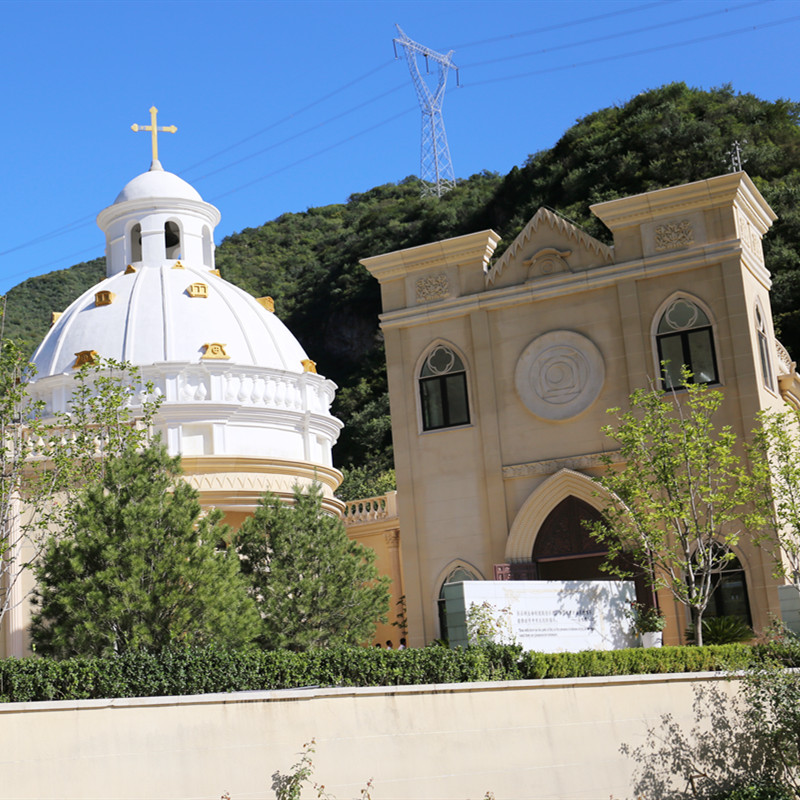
(523, 739)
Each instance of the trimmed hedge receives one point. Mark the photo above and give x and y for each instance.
(209, 669)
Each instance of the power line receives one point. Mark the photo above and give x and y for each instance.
(619, 35)
(295, 136)
(561, 25)
(643, 51)
(317, 153)
(288, 117)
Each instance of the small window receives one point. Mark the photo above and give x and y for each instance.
(172, 239)
(136, 243)
(763, 350)
(207, 247)
(443, 390)
(685, 338)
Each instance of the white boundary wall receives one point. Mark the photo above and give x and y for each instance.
(521, 739)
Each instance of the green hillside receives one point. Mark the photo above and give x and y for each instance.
(308, 262)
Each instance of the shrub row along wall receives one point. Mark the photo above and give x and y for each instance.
(204, 670)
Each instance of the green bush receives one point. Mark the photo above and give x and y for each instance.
(182, 671)
(722, 630)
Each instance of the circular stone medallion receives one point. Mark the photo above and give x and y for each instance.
(559, 375)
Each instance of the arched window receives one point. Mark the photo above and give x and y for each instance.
(443, 390)
(172, 239)
(207, 247)
(456, 576)
(763, 349)
(685, 338)
(729, 598)
(136, 243)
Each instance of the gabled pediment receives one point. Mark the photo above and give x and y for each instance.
(549, 244)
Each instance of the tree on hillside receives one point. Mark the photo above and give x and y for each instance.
(313, 586)
(139, 568)
(682, 500)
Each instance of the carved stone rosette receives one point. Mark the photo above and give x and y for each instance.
(432, 287)
(674, 235)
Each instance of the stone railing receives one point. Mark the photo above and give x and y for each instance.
(786, 365)
(370, 509)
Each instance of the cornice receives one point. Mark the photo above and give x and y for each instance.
(560, 284)
(472, 248)
(735, 189)
(550, 466)
(202, 465)
(157, 205)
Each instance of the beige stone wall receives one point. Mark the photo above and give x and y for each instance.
(524, 739)
(373, 522)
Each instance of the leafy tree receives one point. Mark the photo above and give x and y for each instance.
(680, 502)
(775, 459)
(139, 567)
(45, 459)
(312, 585)
(361, 482)
(17, 439)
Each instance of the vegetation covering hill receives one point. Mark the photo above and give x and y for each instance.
(309, 262)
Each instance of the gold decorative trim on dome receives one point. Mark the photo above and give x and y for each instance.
(85, 357)
(130, 269)
(54, 317)
(198, 289)
(309, 365)
(215, 272)
(266, 302)
(104, 298)
(178, 265)
(215, 351)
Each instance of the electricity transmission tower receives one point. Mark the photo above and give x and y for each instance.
(436, 169)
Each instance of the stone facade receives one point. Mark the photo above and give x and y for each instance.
(500, 374)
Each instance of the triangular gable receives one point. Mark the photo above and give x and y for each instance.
(569, 250)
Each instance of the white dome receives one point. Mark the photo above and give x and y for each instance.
(152, 318)
(239, 392)
(157, 184)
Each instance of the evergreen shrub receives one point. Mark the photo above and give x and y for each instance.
(199, 670)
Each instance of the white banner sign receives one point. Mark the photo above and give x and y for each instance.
(549, 616)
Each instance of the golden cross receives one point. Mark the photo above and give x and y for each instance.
(154, 129)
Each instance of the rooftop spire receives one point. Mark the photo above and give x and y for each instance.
(154, 129)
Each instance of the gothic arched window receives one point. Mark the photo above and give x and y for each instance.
(763, 349)
(443, 390)
(685, 337)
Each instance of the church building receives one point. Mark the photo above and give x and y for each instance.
(501, 372)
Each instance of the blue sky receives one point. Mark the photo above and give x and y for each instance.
(285, 106)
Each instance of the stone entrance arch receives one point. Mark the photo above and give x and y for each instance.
(542, 500)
